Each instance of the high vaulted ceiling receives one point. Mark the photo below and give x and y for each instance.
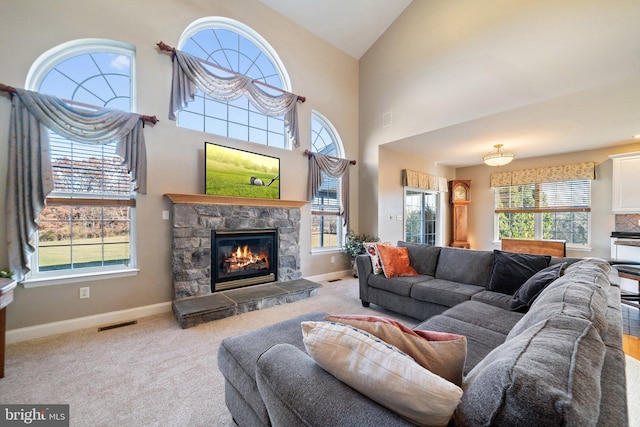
(350, 25)
(542, 78)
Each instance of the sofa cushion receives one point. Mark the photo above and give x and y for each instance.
(529, 291)
(484, 315)
(424, 258)
(550, 373)
(480, 341)
(464, 266)
(395, 261)
(510, 270)
(237, 357)
(397, 285)
(292, 384)
(381, 372)
(440, 352)
(580, 292)
(495, 299)
(443, 292)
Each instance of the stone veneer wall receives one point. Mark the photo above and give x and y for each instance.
(191, 248)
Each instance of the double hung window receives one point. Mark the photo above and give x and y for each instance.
(327, 231)
(545, 211)
(87, 226)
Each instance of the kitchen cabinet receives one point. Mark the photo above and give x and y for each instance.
(626, 177)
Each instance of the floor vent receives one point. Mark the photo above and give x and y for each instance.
(334, 280)
(117, 325)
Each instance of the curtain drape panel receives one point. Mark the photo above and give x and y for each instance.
(189, 74)
(335, 168)
(30, 176)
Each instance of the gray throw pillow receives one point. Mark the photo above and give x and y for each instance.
(529, 291)
(511, 270)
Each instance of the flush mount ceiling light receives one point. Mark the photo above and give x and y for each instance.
(497, 157)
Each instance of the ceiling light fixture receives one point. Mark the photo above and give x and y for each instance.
(497, 157)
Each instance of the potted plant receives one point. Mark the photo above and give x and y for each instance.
(354, 246)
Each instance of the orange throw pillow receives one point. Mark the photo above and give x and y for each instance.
(395, 261)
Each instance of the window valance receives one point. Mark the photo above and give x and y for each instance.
(573, 172)
(415, 179)
(189, 74)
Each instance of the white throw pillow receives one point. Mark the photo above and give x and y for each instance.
(372, 251)
(381, 372)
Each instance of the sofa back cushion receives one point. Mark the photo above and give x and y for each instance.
(465, 266)
(510, 270)
(581, 292)
(424, 258)
(550, 373)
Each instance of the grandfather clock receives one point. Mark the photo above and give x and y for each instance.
(459, 197)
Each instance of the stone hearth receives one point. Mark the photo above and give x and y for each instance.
(218, 305)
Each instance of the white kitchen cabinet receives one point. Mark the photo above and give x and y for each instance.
(626, 181)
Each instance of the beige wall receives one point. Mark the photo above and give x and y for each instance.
(602, 219)
(391, 192)
(327, 77)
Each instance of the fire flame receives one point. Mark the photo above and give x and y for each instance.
(242, 257)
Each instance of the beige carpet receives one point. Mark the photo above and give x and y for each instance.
(154, 373)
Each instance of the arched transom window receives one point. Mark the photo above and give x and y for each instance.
(236, 47)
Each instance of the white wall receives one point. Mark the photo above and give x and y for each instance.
(327, 77)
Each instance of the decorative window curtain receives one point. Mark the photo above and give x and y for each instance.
(424, 181)
(189, 74)
(30, 176)
(335, 168)
(573, 172)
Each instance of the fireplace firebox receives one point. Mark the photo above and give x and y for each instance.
(243, 257)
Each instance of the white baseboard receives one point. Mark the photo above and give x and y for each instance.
(47, 329)
(331, 276)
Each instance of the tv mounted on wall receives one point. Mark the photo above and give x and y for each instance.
(234, 172)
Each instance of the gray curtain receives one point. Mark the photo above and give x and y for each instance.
(189, 74)
(335, 168)
(30, 177)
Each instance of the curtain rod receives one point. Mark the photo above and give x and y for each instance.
(165, 47)
(310, 153)
(13, 91)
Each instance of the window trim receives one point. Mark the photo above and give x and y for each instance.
(440, 215)
(339, 153)
(60, 53)
(39, 69)
(538, 211)
(223, 23)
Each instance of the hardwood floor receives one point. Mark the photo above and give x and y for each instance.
(631, 330)
(631, 346)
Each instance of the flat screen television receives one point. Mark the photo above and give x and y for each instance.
(234, 172)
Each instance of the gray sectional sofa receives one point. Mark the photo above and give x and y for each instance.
(560, 363)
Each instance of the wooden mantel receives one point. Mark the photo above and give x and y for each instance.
(202, 199)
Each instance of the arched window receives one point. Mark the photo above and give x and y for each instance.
(236, 47)
(87, 225)
(327, 231)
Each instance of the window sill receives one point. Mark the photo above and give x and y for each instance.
(62, 279)
(320, 251)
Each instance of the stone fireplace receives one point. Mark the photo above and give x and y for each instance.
(196, 218)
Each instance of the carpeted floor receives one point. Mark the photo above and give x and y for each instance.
(156, 374)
